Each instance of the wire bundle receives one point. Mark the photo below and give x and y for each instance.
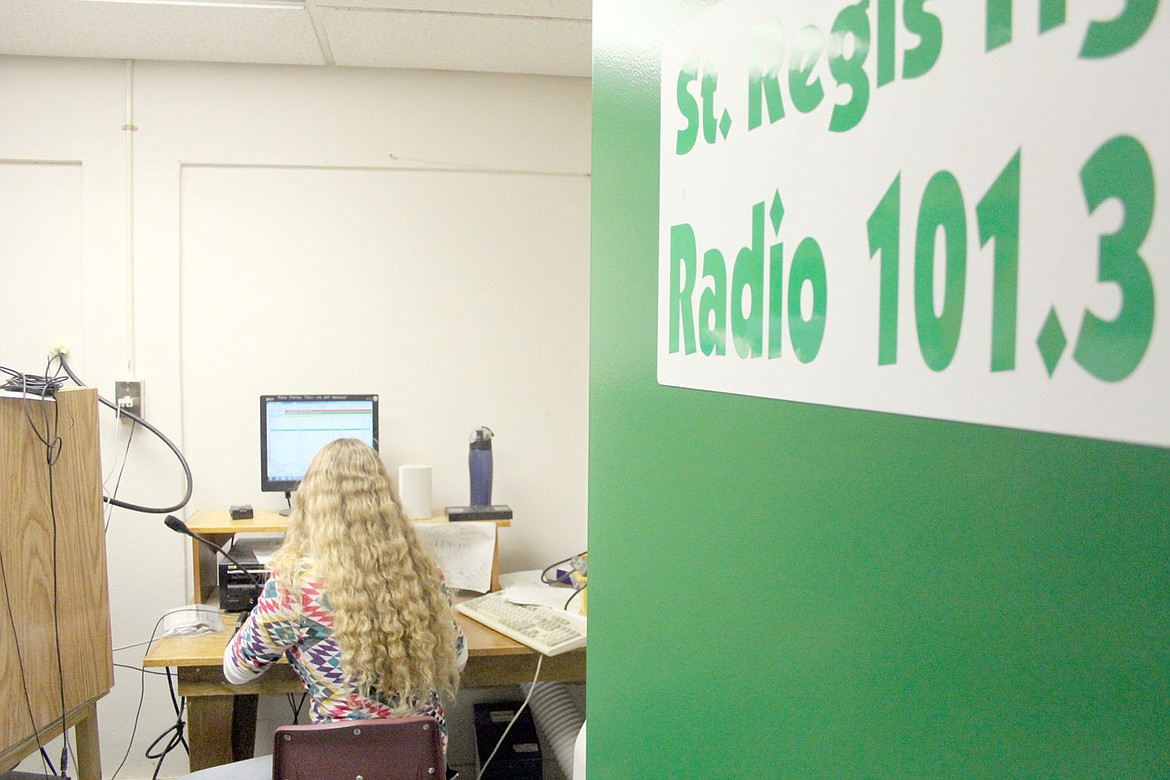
(31, 384)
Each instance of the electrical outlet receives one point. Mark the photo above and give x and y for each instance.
(128, 396)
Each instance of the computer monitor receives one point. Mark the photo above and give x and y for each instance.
(294, 427)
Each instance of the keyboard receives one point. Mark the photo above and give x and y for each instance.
(546, 630)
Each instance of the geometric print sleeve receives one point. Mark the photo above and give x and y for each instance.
(272, 628)
(460, 639)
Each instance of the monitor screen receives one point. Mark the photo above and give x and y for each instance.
(294, 427)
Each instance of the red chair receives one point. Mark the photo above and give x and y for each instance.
(374, 749)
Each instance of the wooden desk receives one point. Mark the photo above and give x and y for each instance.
(220, 726)
(217, 525)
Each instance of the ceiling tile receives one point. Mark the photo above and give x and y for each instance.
(76, 28)
(537, 9)
(506, 44)
(546, 37)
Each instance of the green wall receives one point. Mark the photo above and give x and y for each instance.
(787, 590)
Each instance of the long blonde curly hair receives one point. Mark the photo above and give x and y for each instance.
(392, 620)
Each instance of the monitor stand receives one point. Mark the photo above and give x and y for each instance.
(285, 512)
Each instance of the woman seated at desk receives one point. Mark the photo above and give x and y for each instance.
(354, 600)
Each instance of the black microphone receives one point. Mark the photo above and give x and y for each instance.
(175, 524)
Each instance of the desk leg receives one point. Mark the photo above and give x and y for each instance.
(220, 729)
(244, 726)
(209, 730)
(89, 756)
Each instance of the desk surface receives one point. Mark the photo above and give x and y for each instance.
(493, 660)
(207, 649)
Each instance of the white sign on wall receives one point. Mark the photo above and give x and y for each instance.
(947, 210)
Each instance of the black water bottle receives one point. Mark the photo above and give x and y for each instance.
(479, 461)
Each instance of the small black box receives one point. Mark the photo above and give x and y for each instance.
(241, 511)
(519, 756)
(488, 512)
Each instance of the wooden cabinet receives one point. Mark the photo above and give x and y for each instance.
(53, 549)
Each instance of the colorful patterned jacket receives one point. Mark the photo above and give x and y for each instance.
(281, 624)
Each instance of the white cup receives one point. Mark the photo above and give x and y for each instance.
(414, 488)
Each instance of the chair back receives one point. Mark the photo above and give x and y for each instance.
(373, 749)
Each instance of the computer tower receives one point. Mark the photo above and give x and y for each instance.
(519, 757)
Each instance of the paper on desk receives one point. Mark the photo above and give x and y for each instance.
(464, 552)
(547, 595)
(528, 587)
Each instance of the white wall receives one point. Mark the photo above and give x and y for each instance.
(419, 235)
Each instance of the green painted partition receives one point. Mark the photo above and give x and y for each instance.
(785, 590)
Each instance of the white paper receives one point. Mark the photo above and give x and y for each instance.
(544, 595)
(527, 588)
(464, 551)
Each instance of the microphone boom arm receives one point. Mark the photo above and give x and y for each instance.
(178, 526)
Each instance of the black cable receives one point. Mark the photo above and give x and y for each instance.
(51, 459)
(156, 432)
(295, 706)
(142, 692)
(544, 574)
(176, 702)
(141, 696)
(20, 665)
(141, 669)
(180, 705)
(47, 386)
(575, 592)
(177, 737)
(37, 385)
(161, 756)
(53, 445)
(47, 389)
(57, 621)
